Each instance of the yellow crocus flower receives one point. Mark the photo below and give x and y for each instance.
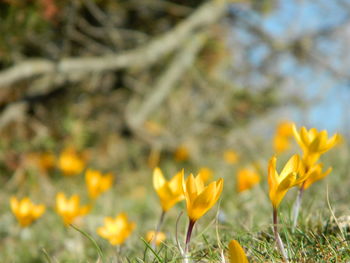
(279, 184)
(181, 153)
(25, 211)
(116, 230)
(169, 192)
(97, 183)
(312, 175)
(200, 198)
(246, 179)
(231, 157)
(70, 163)
(160, 237)
(70, 209)
(206, 173)
(314, 143)
(282, 137)
(236, 253)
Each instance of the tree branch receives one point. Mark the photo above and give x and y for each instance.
(138, 58)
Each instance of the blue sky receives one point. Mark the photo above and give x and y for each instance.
(291, 19)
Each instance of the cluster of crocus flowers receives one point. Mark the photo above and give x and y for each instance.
(313, 143)
(230, 156)
(199, 199)
(69, 208)
(246, 179)
(70, 163)
(25, 211)
(116, 230)
(283, 136)
(97, 183)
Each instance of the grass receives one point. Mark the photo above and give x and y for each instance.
(246, 217)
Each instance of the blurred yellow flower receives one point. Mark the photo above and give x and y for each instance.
(70, 163)
(169, 192)
(159, 239)
(206, 173)
(70, 209)
(246, 179)
(314, 143)
(43, 161)
(181, 154)
(279, 184)
(312, 175)
(281, 143)
(97, 183)
(200, 198)
(285, 128)
(236, 253)
(284, 133)
(231, 157)
(153, 158)
(154, 128)
(116, 230)
(25, 211)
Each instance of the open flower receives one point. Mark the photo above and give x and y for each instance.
(25, 211)
(314, 143)
(70, 209)
(246, 179)
(236, 253)
(160, 237)
(97, 183)
(70, 163)
(312, 174)
(200, 198)
(116, 230)
(169, 192)
(279, 184)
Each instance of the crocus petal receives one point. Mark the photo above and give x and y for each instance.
(203, 202)
(291, 166)
(158, 179)
(236, 253)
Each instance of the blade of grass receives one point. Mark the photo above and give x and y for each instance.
(99, 251)
(154, 252)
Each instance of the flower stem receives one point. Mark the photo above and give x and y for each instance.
(297, 205)
(159, 225)
(278, 239)
(188, 239)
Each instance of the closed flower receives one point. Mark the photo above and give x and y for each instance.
(200, 198)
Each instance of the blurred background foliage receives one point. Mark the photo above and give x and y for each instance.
(234, 74)
(193, 72)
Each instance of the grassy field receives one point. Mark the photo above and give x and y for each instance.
(322, 234)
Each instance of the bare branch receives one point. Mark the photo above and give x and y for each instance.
(139, 58)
